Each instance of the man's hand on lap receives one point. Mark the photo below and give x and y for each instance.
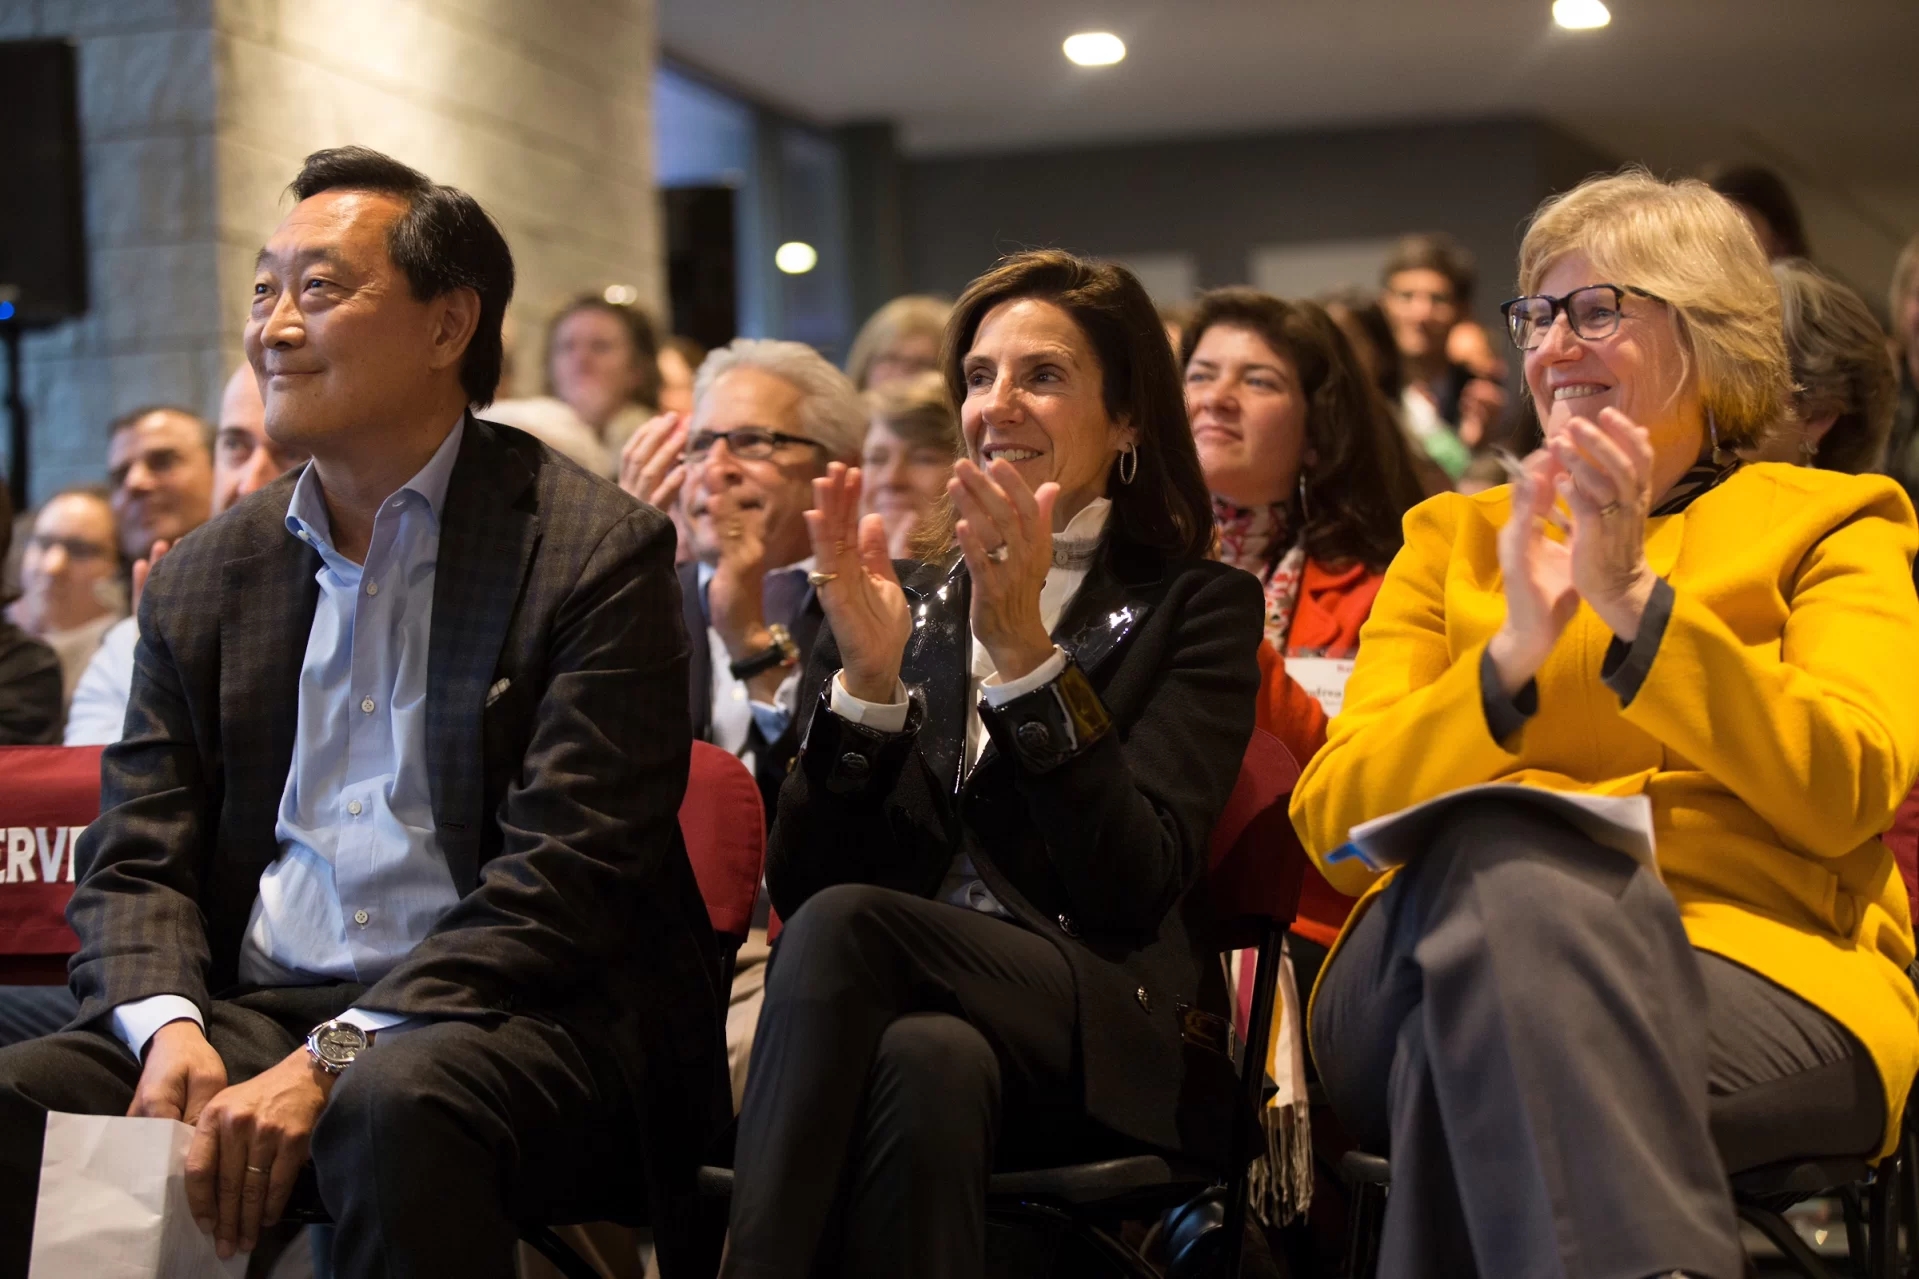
(250, 1144)
(181, 1075)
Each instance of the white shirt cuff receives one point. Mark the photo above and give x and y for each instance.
(138, 1020)
(1039, 677)
(881, 717)
(371, 1022)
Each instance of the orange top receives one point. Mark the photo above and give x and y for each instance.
(1332, 606)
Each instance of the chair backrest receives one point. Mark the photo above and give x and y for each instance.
(1255, 865)
(723, 821)
(48, 795)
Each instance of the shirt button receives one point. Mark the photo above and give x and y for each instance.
(372, 588)
(366, 704)
(360, 917)
(353, 806)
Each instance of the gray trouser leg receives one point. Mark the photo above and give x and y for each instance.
(1556, 1077)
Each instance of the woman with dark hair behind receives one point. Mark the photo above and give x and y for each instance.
(994, 886)
(1764, 200)
(1310, 478)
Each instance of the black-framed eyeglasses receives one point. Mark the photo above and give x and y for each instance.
(1593, 312)
(754, 443)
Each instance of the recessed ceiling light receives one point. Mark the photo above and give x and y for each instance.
(1097, 48)
(621, 294)
(796, 257)
(1581, 15)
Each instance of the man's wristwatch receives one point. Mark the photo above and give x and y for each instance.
(336, 1045)
(781, 652)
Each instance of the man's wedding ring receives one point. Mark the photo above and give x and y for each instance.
(817, 578)
(998, 554)
(1610, 508)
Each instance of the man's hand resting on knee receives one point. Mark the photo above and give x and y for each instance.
(182, 1074)
(251, 1140)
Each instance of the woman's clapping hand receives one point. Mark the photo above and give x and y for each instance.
(1603, 471)
(862, 598)
(1006, 533)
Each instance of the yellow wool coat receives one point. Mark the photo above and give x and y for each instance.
(1775, 734)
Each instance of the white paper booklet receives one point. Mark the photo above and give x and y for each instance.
(113, 1204)
(1622, 822)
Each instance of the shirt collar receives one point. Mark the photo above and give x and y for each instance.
(306, 513)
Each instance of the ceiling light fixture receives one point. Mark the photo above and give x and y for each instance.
(621, 294)
(796, 257)
(1098, 48)
(1581, 15)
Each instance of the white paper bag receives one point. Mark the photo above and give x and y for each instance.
(113, 1203)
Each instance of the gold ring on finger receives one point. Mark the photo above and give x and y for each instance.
(251, 1168)
(1610, 508)
(817, 578)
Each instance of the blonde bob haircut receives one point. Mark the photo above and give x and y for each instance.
(913, 315)
(1691, 247)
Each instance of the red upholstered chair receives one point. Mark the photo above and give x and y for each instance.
(48, 794)
(723, 822)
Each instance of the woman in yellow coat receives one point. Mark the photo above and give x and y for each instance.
(1564, 1052)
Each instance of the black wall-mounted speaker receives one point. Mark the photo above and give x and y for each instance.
(43, 242)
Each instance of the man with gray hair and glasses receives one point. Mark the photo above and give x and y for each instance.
(767, 418)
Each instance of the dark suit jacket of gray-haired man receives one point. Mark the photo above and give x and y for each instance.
(460, 837)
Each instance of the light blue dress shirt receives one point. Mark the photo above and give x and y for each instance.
(360, 879)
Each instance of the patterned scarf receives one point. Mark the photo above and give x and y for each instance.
(1260, 541)
(1706, 474)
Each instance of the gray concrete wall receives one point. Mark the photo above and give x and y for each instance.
(196, 113)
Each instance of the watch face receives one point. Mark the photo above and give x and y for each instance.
(339, 1042)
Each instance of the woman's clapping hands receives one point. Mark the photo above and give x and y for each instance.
(1603, 472)
(860, 592)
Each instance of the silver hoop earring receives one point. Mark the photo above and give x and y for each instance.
(1712, 428)
(1304, 518)
(1126, 472)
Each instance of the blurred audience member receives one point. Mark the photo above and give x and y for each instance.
(1486, 472)
(899, 341)
(911, 443)
(603, 360)
(1427, 289)
(71, 591)
(29, 670)
(1310, 479)
(245, 460)
(680, 359)
(160, 467)
(1902, 304)
(1767, 205)
(1370, 335)
(1842, 410)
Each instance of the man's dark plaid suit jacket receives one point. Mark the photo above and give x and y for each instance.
(557, 752)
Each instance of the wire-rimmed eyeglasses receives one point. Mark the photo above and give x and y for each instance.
(753, 443)
(1592, 311)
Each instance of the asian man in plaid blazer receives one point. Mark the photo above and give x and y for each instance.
(389, 871)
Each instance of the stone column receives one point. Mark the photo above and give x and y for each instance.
(196, 113)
